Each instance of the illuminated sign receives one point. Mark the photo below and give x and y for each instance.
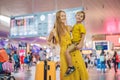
(38, 24)
(101, 45)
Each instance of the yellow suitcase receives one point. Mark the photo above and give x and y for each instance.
(45, 70)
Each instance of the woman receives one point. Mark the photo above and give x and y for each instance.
(115, 61)
(16, 60)
(61, 35)
(108, 60)
(102, 60)
(22, 61)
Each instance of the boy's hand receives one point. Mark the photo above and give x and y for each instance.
(79, 46)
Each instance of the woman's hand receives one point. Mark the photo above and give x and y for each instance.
(79, 46)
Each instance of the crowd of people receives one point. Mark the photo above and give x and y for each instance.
(103, 61)
(23, 61)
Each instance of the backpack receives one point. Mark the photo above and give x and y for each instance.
(26, 60)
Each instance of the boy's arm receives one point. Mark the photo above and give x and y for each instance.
(81, 43)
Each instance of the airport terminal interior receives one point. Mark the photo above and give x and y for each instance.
(26, 27)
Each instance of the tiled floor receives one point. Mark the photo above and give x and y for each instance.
(109, 75)
(93, 73)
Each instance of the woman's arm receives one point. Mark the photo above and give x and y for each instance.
(50, 36)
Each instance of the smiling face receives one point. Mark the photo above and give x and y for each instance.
(80, 16)
(63, 17)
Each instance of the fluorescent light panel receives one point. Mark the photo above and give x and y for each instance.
(5, 19)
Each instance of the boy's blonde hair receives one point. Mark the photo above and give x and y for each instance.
(79, 12)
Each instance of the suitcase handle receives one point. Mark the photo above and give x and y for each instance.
(45, 70)
(48, 67)
(50, 77)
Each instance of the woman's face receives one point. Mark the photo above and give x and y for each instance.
(63, 17)
(79, 17)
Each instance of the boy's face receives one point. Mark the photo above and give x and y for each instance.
(79, 17)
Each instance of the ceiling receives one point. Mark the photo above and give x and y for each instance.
(98, 12)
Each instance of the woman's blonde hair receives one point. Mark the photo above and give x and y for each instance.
(59, 26)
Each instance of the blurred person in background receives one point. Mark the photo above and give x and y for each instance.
(102, 61)
(22, 61)
(108, 60)
(8, 50)
(16, 60)
(115, 60)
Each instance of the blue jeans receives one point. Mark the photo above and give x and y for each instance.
(103, 65)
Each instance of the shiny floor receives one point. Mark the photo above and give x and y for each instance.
(93, 73)
(108, 75)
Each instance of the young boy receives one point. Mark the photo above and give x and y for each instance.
(78, 35)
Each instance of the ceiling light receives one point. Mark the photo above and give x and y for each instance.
(44, 38)
(5, 19)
